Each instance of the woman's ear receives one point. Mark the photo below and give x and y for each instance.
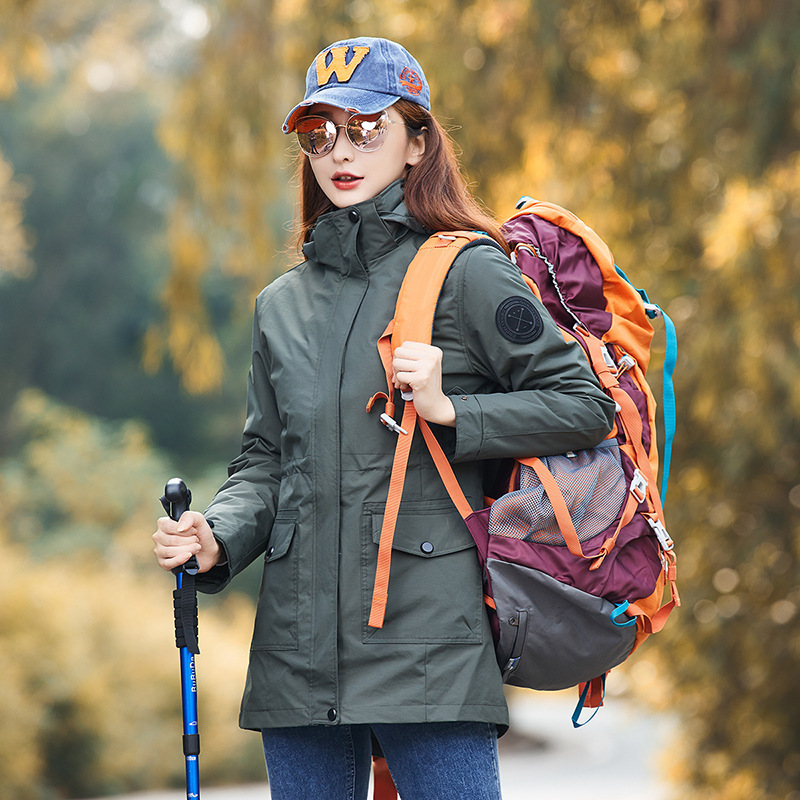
(416, 148)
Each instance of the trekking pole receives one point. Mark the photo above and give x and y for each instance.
(176, 500)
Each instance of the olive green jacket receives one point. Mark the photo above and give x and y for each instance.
(308, 491)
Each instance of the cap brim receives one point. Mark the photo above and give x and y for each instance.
(359, 101)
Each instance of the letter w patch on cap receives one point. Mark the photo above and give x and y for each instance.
(338, 64)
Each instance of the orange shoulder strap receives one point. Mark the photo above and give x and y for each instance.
(422, 285)
(413, 322)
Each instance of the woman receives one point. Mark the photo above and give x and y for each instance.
(307, 492)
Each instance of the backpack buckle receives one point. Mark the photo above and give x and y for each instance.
(392, 425)
(625, 363)
(510, 666)
(664, 539)
(639, 486)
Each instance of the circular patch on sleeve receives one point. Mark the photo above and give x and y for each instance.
(518, 320)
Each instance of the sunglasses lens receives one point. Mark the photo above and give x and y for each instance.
(367, 131)
(316, 135)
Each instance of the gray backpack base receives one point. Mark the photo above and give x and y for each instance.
(554, 636)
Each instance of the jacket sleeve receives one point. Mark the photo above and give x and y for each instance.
(243, 510)
(542, 397)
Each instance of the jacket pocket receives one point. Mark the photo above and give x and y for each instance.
(276, 617)
(435, 594)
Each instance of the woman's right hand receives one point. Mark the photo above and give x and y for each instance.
(177, 542)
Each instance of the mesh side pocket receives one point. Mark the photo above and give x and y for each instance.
(592, 483)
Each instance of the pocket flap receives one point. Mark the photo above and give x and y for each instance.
(281, 537)
(425, 529)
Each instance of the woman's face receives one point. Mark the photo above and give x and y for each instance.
(348, 175)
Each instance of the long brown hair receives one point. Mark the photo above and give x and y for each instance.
(436, 192)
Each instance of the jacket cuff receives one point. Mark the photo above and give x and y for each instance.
(469, 427)
(219, 576)
(215, 580)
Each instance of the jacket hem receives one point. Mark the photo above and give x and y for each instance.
(377, 715)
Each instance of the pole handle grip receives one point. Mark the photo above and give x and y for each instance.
(176, 499)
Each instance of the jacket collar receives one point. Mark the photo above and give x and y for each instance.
(349, 239)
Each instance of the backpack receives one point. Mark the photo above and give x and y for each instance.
(575, 555)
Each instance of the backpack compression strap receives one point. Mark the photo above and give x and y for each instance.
(383, 787)
(413, 322)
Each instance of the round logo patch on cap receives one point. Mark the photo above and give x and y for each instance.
(411, 81)
(518, 320)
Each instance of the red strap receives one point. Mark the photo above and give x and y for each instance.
(383, 787)
(655, 623)
(594, 697)
(594, 347)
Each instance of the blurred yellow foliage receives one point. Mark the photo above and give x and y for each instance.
(186, 334)
(90, 694)
(14, 239)
(746, 218)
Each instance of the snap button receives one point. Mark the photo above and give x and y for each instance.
(427, 547)
(463, 397)
(270, 551)
(332, 714)
(354, 215)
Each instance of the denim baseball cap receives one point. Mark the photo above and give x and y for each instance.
(364, 75)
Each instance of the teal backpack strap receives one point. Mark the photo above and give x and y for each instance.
(668, 405)
(584, 696)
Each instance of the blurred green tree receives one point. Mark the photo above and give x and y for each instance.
(95, 188)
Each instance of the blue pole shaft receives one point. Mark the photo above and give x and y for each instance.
(190, 729)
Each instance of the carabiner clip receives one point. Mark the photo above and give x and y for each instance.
(392, 425)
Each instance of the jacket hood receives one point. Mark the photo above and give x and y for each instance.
(348, 237)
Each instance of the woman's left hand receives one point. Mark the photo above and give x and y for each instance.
(418, 367)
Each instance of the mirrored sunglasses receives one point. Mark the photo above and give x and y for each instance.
(366, 132)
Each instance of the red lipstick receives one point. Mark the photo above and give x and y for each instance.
(345, 180)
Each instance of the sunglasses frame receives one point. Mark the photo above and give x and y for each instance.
(381, 115)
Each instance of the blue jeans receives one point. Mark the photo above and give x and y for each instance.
(428, 761)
